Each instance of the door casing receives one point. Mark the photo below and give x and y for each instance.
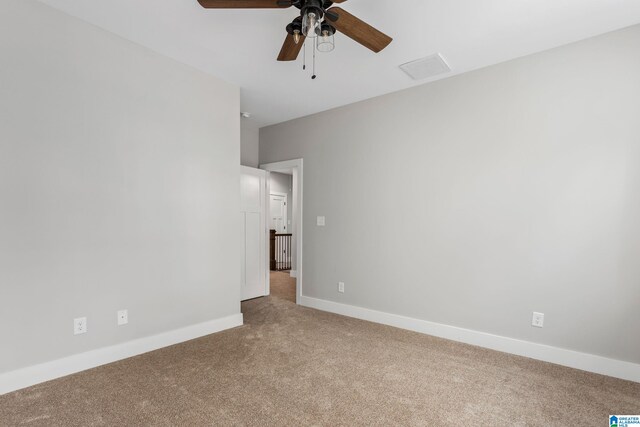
(297, 166)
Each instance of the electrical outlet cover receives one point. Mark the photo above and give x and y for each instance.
(80, 325)
(537, 320)
(123, 317)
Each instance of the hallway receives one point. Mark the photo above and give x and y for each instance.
(283, 286)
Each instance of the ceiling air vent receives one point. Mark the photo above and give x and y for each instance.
(426, 67)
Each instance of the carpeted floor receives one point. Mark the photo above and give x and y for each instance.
(293, 366)
(282, 285)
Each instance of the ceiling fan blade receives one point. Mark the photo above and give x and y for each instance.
(359, 30)
(244, 4)
(290, 50)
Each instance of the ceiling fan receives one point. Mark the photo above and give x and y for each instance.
(318, 20)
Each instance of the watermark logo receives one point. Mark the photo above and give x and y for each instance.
(624, 420)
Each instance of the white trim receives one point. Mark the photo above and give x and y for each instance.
(267, 235)
(25, 377)
(296, 166)
(573, 359)
(293, 273)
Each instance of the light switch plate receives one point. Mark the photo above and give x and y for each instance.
(321, 221)
(341, 287)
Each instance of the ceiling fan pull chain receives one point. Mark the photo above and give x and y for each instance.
(313, 77)
(304, 55)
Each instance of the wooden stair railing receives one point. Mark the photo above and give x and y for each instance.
(280, 251)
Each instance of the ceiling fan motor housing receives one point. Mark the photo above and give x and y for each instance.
(316, 6)
(300, 4)
(320, 7)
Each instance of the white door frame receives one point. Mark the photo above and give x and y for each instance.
(298, 186)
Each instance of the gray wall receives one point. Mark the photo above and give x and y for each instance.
(118, 188)
(249, 145)
(475, 200)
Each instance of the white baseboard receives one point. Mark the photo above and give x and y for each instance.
(293, 273)
(573, 359)
(25, 377)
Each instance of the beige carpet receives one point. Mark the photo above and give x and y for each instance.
(282, 285)
(292, 366)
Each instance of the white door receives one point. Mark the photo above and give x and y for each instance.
(278, 208)
(253, 255)
(278, 222)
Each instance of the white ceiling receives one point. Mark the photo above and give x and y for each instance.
(241, 46)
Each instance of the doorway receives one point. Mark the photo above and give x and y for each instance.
(278, 207)
(280, 236)
(285, 209)
(280, 240)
